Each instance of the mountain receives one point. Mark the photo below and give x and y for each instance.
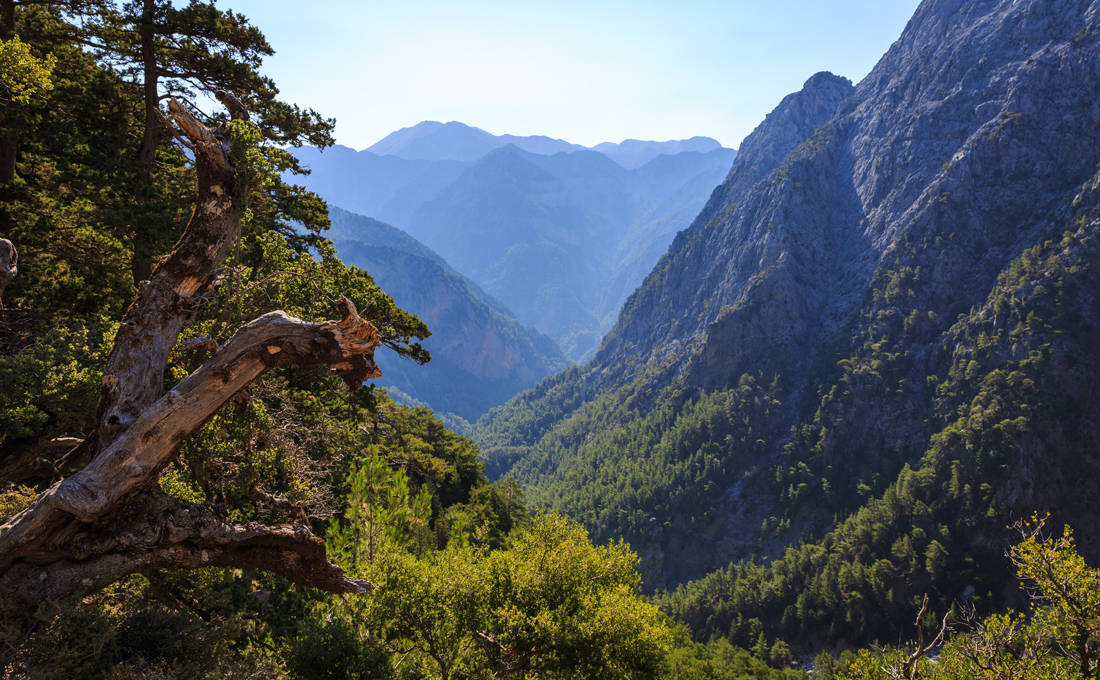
(535, 231)
(481, 355)
(634, 153)
(454, 141)
(876, 342)
(387, 187)
(561, 238)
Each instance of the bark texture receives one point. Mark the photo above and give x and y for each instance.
(110, 518)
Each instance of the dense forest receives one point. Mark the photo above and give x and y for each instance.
(197, 479)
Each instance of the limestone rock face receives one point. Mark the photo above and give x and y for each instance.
(717, 237)
(980, 122)
(975, 138)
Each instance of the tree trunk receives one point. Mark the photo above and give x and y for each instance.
(7, 19)
(9, 153)
(134, 375)
(9, 144)
(111, 518)
(143, 239)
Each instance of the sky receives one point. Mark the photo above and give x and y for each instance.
(584, 71)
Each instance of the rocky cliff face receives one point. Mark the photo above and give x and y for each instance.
(710, 264)
(855, 227)
(950, 134)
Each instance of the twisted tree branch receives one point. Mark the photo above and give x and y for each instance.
(110, 518)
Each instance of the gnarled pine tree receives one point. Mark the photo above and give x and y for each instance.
(111, 518)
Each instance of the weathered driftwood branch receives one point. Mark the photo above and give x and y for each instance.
(134, 375)
(9, 266)
(75, 528)
(153, 531)
(110, 518)
(136, 458)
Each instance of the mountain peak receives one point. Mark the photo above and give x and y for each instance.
(456, 141)
(826, 79)
(634, 153)
(796, 118)
(432, 140)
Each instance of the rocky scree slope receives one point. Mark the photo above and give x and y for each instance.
(783, 363)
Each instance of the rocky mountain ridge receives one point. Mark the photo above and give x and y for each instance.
(782, 360)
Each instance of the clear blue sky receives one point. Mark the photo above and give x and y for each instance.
(584, 71)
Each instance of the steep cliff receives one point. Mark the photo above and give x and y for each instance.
(784, 363)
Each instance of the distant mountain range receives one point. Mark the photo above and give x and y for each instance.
(560, 233)
(563, 239)
(481, 355)
(634, 153)
(454, 141)
(434, 141)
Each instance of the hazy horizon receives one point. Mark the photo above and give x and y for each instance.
(569, 70)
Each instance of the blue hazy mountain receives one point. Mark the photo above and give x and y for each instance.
(481, 355)
(387, 188)
(634, 153)
(561, 238)
(454, 141)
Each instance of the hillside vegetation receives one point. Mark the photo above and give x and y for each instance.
(871, 351)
